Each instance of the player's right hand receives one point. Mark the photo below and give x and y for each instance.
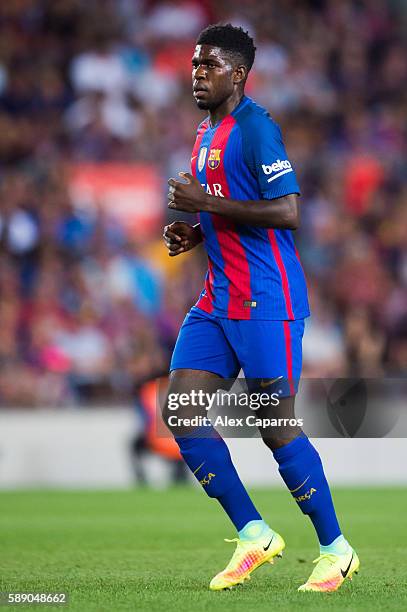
(180, 237)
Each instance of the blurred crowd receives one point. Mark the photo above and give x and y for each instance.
(88, 310)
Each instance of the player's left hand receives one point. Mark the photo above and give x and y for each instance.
(189, 196)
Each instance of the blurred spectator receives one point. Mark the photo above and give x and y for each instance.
(88, 309)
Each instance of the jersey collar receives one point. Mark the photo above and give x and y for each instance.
(243, 102)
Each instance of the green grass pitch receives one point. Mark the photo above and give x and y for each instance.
(158, 550)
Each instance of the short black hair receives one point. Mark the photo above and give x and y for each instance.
(231, 39)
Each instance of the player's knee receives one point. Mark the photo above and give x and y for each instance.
(168, 417)
(166, 413)
(178, 419)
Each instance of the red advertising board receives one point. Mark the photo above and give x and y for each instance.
(130, 192)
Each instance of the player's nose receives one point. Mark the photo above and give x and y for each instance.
(200, 72)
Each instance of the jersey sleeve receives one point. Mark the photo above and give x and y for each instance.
(267, 159)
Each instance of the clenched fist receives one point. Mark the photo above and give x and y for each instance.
(180, 237)
(188, 197)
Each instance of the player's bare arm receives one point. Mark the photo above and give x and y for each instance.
(279, 213)
(180, 237)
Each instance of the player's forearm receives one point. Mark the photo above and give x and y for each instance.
(281, 213)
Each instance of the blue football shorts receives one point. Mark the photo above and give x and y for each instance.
(265, 350)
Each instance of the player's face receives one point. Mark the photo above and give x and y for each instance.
(212, 77)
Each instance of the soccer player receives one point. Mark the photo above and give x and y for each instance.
(251, 312)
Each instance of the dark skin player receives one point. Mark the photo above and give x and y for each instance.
(218, 87)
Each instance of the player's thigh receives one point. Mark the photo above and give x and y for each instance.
(269, 350)
(270, 353)
(203, 361)
(202, 345)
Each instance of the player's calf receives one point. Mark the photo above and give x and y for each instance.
(206, 453)
(209, 460)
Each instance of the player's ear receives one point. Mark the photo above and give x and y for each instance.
(240, 74)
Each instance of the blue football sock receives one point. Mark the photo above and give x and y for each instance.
(208, 458)
(301, 469)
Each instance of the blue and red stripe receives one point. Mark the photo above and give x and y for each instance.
(236, 265)
(283, 273)
(206, 298)
(289, 356)
(253, 272)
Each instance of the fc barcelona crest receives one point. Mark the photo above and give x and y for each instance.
(214, 158)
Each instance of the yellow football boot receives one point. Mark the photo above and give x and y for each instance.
(331, 571)
(248, 556)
